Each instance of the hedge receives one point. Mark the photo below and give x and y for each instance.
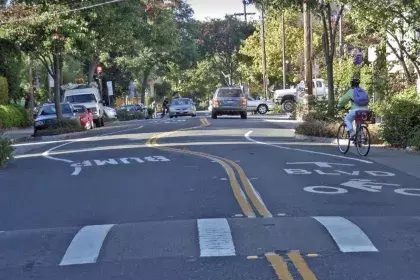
(62, 127)
(5, 151)
(13, 116)
(4, 91)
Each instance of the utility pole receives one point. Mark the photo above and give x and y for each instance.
(307, 22)
(264, 59)
(31, 87)
(284, 49)
(245, 13)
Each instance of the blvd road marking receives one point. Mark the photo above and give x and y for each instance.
(247, 136)
(338, 172)
(215, 238)
(86, 245)
(348, 236)
(227, 165)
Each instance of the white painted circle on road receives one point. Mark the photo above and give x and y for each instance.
(408, 192)
(321, 190)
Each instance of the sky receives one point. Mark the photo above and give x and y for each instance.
(218, 8)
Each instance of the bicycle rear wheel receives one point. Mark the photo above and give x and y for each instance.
(343, 139)
(363, 140)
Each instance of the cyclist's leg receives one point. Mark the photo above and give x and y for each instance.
(349, 119)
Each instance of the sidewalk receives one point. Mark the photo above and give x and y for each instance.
(18, 134)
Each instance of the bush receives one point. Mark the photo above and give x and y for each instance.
(5, 151)
(414, 140)
(127, 116)
(276, 110)
(62, 127)
(4, 91)
(327, 129)
(150, 112)
(13, 116)
(401, 116)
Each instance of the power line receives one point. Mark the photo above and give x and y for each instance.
(64, 12)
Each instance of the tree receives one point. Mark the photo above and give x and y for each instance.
(42, 31)
(221, 40)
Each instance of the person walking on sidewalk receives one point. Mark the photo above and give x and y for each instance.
(359, 102)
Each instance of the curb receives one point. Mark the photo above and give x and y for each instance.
(60, 136)
(316, 139)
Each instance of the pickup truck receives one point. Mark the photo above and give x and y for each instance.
(288, 98)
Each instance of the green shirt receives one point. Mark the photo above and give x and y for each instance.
(348, 97)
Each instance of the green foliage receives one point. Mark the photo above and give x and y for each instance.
(150, 112)
(414, 140)
(5, 152)
(401, 116)
(277, 110)
(63, 126)
(13, 116)
(318, 128)
(4, 91)
(128, 116)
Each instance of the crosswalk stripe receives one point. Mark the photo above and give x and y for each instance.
(86, 245)
(348, 236)
(215, 238)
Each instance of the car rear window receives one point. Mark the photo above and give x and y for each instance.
(230, 92)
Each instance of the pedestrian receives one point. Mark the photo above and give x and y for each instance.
(154, 108)
(165, 105)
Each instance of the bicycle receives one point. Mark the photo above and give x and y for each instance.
(362, 140)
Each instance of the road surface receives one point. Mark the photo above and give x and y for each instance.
(197, 198)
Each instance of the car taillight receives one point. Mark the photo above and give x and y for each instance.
(216, 102)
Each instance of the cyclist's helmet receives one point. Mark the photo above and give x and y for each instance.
(355, 82)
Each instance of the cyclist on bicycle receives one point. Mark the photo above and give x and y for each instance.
(359, 102)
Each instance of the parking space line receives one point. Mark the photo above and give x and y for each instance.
(279, 265)
(301, 265)
(215, 238)
(86, 245)
(348, 236)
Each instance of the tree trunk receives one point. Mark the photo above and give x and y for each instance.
(57, 93)
(144, 87)
(92, 67)
(330, 77)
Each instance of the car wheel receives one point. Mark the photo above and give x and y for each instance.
(92, 125)
(288, 106)
(97, 123)
(101, 120)
(244, 115)
(262, 109)
(171, 117)
(213, 115)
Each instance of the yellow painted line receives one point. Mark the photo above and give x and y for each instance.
(237, 191)
(250, 191)
(301, 265)
(280, 266)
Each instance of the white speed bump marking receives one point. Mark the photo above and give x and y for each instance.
(215, 238)
(348, 236)
(86, 245)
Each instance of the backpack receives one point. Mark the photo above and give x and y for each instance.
(360, 97)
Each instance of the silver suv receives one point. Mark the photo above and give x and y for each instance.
(229, 101)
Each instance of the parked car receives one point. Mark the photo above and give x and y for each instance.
(260, 106)
(182, 107)
(128, 108)
(110, 112)
(229, 101)
(47, 117)
(88, 97)
(85, 115)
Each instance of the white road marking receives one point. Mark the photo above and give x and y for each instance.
(321, 164)
(215, 238)
(348, 236)
(86, 245)
(76, 171)
(247, 136)
(321, 190)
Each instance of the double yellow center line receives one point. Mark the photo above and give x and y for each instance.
(231, 168)
(282, 270)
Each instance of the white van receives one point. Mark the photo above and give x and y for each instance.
(88, 97)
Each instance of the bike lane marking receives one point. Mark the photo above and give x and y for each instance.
(247, 136)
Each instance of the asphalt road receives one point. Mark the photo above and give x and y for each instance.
(197, 198)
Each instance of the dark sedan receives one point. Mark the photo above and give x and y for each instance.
(47, 117)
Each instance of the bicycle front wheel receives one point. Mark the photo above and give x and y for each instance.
(343, 139)
(363, 140)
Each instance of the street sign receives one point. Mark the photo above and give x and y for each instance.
(109, 86)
